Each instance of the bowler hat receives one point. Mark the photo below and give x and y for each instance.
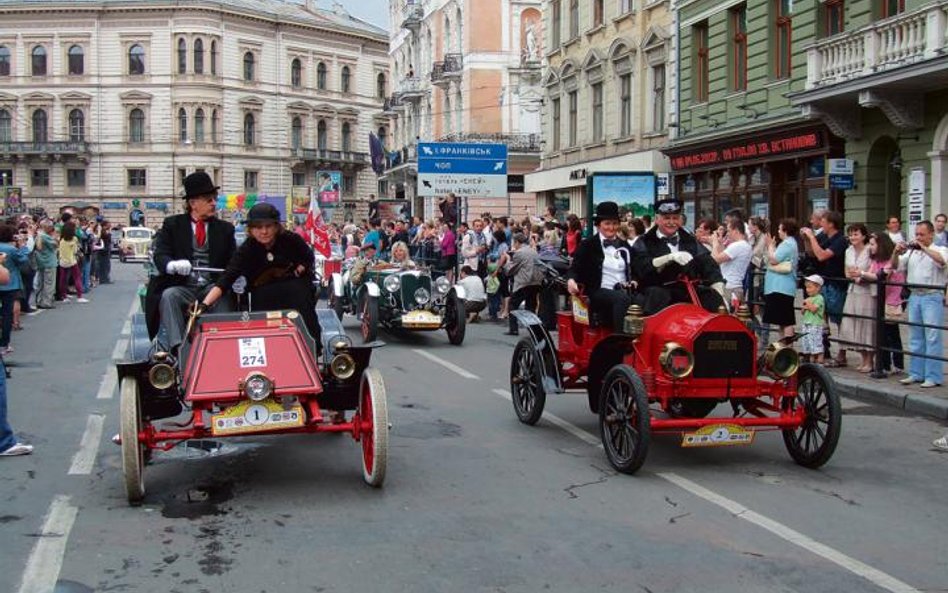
(198, 185)
(606, 211)
(263, 213)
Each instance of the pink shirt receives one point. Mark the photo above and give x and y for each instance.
(448, 244)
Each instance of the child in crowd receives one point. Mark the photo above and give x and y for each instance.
(814, 319)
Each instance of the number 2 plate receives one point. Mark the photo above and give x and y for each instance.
(250, 416)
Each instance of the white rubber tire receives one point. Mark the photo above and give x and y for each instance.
(133, 459)
(374, 444)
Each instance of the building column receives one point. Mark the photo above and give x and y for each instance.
(939, 181)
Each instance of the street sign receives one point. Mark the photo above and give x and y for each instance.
(916, 199)
(840, 173)
(842, 182)
(466, 169)
(662, 184)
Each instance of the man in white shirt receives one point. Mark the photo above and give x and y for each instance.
(925, 265)
(733, 260)
(475, 299)
(893, 227)
(941, 235)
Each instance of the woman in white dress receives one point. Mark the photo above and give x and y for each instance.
(860, 300)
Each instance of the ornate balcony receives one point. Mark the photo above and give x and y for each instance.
(451, 68)
(516, 142)
(411, 89)
(56, 150)
(412, 15)
(392, 105)
(334, 158)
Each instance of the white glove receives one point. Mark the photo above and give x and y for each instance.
(179, 266)
(682, 258)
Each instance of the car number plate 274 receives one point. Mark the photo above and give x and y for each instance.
(250, 416)
(718, 435)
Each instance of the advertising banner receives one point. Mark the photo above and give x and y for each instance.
(327, 187)
(394, 209)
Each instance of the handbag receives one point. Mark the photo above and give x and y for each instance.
(894, 313)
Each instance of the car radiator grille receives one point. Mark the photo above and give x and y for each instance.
(410, 284)
(723, 354)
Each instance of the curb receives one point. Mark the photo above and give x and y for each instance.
(910, 402)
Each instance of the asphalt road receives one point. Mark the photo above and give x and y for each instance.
(474, 500)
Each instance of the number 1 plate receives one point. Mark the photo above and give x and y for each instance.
(250, 416)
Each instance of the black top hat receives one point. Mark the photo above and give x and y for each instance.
(668, 206)
(606, 211)
(263, 213)
(199, 184)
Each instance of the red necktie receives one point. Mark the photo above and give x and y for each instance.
(200, 233)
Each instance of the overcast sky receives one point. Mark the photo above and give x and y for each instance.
(373, 11)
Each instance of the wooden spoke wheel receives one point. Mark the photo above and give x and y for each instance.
(133, 452)
(373, 409)
(370, 318)
(526, 383)
(813, 442)
(624, 423)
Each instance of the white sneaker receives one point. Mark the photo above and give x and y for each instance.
(928, 384)
(941, 443)
(17, 449)
(82, 300)
(907, 381)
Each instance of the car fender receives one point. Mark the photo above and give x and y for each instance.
(459, 290)
(337, 285)
(373, 288)
(545, 349)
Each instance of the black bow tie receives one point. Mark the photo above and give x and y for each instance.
(673, 240)
(613, 243)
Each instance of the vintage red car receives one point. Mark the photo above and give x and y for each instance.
(250, 374)
(668, 372)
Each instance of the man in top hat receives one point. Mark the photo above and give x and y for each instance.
(667, 251)
(185, 241)
(602, 265)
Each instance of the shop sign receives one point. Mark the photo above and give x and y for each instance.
(114, 205)
(156, 206)
(840, 173)
(916, 200)
(661, 184)
(577, 174)
(748, 150)
(515, 184)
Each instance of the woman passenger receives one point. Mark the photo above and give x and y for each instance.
(400, 256)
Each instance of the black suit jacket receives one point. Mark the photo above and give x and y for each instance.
(289, 251)
(649, 246)
(586, 268)
(175, 240)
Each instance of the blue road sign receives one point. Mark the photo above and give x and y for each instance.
(467, 169)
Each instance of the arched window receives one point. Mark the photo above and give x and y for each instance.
(199, 126)
(76, 60)
(40, 126)
(346, 137)
(136, 125)
(380, 90)
(383, 136)
(199, 56)
(39, 61)
(321, 76)
(322, 136)
(447, 34)
(4, 60)
(214, 124)
(296, 73)
(297, 133)
(182, 56)
(136, 60)
(213, 57)
(248, 66)
(346, 78)
(182, 125)
(77, 126)
(6, 126)
(250, 130)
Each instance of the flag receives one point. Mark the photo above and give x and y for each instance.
(377, 152)
(318, 233)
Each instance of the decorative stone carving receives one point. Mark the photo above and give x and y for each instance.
(844, 122)
(905, 111)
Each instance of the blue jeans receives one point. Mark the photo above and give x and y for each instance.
(6, 316)
(927, 309)
(7, 439)
(86, 269)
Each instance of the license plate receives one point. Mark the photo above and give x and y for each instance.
(251, 416)
(718, 435)
(420, 318)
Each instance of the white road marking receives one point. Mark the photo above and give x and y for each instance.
(861, 569)
(107, 386)
(46, 559)
(118, 353)
(84, 458)
(126, 328)
(134, 308)
(854, 566)
(448, 365)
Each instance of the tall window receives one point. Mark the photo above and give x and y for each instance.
(250, 130)
(321, 135)
(346, 79)
(182, 56)
(40, 126)
(296, 73)
(699, 37)
(625, 6)
(76, 60)
(299, 179)
(380, 90)
(199, 126)
(738, 17)
(557, 124)
(625, 105)
(833, 17)
(597, 112)
(136, 60)
(250, 179)
(76, 177)
(199, 56)
(597, 12)
(6, 126)
(214, 126)
(39, 61)
(182, 126)
(346, 137)
(39, 177)
(297, 136)
(573, 19)
(383, 136)
(213, 57)
(658, 98)
(321, 76)
(4, 60)
(573, 116)
(137, 178)
(783, 26)
(77, 126)
(248, 66)
(136, 125)
(557, 22)
(892, 8)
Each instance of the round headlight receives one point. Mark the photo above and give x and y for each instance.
(339, 342)
(161, 376)
(258, 387)
(422, 296)
(782, 360)
(442, 285)
(676, 360)
(342, 366)
(392, 283)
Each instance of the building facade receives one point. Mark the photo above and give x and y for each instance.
(465, 71)
(606, 94)
(114, 103)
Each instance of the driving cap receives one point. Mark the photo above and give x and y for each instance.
(668, 206)
(199, 184)
(263, 213)
(606, 211)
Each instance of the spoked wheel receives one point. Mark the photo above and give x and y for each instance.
(526, 383)
(370, 318)
(456, 319)
(624, 423)
(373, 408)
(813, 442)
(133, 452)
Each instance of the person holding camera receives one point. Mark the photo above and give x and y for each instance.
(924, 264)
